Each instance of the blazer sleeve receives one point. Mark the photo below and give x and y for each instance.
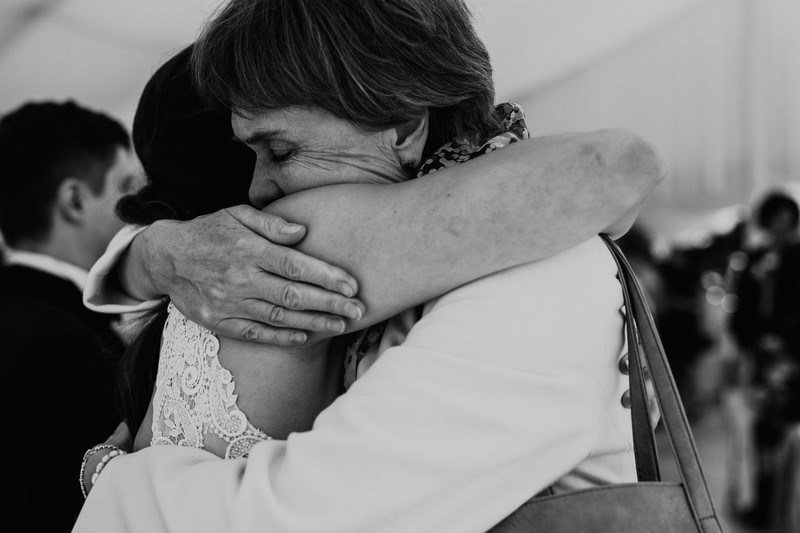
(492, 397)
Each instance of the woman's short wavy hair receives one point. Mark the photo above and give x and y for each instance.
(376, 63)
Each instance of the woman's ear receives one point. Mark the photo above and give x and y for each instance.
(410, 138)
(71, 200)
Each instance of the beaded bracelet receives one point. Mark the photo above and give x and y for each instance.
(115, 451)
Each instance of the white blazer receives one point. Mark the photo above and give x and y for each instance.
(510, 384)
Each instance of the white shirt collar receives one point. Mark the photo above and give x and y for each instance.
(49, 264)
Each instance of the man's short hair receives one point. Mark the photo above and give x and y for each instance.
(42, 144)
(376, 63)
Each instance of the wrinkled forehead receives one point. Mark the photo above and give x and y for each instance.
(251, 126)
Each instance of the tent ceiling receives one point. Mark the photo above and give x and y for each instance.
(101, 52)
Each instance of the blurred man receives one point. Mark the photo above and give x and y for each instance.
(768, 317)
(766, 327)
(62, 169)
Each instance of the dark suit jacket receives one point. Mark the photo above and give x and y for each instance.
(60, 364)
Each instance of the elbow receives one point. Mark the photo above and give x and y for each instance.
(631, 163)
(641, 159)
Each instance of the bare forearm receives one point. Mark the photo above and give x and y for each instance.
(409, 242)
(548, 194)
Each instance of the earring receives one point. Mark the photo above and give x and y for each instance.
(409, 166)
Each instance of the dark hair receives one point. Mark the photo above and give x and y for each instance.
(772, 204)
(376, 63)
(42, 144)
(193, 167)
(192, 164)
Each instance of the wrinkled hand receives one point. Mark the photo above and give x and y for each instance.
(234, 272)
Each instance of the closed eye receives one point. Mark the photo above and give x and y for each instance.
(280, 156)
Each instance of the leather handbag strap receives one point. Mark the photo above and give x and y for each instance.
(676, 425)
(644, 441)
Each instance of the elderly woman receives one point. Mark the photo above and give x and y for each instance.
(503, 387)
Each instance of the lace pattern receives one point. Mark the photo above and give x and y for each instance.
(195, 394)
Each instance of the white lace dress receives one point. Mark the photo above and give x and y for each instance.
(194, 394)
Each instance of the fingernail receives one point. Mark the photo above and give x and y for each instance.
(346, 289)
(288, 229)
(335, 325)
(353, 311)
(297, 338)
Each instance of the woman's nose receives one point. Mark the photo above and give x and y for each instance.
(264, 191)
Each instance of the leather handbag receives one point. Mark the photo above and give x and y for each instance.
(651, 505)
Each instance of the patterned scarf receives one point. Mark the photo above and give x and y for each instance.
(366, 345)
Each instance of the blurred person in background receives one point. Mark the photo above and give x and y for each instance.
(694, 307)
(679, 316)
(766, 330)
(767, 319)
(62, 169)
